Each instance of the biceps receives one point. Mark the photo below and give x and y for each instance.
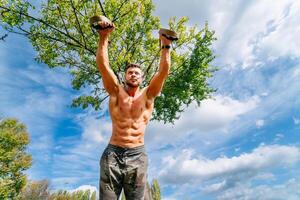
(110, 81)
(156, 85)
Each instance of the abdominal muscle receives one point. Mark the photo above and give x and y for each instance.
(129, 115)
(128, 134)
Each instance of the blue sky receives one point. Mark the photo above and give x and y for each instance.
(242, 144)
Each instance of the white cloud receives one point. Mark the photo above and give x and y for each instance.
(187, 167)
(254, 31)
(296, 73)
(91, 188)
(260, 123)
(43, 75)
(264, 94)
(95, 129)
(168, 198)
(213, 115)
(70, 169)
(218, 113)
(296, 120)
(279, 135)
(86, 187)
(278, 81)
(37, 104)
(288, 190)
(249, 33)
(33, 94)
(215, 187)
(280, 41)
(79, 162)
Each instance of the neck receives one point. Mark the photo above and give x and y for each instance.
(132, 91)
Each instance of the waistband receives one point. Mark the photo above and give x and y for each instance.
(138, 149)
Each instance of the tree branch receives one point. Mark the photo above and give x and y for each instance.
(155, 57)
(58, 40)
(119, 9)
(50, 26)
(72, 62)
(28, 34)
(102, 9)
(62, 19)
(77, 21)
(125, 13)
(3, 37)
(104, 98)
(78, 11)
(12, 31)
(175, 70)
(136, 45)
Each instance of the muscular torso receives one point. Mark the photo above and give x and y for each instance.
(129, 116)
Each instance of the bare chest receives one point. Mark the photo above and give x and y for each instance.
(131, 107)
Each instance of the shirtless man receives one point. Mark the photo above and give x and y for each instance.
(124, 161)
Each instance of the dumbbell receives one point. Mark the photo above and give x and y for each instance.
(94, 22)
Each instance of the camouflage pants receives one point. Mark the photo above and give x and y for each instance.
(123, 168)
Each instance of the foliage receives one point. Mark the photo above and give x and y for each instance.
(155, 190)
(76, 195)
(35, 190)
(60, 33)
(13, 158)
(39, 190)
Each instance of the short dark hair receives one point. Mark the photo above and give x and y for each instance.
(132, 65)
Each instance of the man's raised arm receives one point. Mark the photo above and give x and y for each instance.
(110, 80)
(157, 82)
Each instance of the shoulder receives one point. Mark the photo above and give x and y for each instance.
(119, 90)
(113, 98)
(148, 99)
(148, 94)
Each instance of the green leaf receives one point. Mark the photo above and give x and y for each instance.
(61, 34)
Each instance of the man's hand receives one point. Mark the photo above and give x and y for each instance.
(105, 22)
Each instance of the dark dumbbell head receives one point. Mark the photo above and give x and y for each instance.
(169, 34)
(94, 22)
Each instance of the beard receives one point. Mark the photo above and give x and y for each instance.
(132, 85)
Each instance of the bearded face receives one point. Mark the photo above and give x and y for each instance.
(133, 77)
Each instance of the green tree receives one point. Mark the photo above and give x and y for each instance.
(93, 197)
(76, 195)
(155, 190)
(13, 158)
(35, 190)
(59, 31)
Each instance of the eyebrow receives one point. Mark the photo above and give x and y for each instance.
(132, 71)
